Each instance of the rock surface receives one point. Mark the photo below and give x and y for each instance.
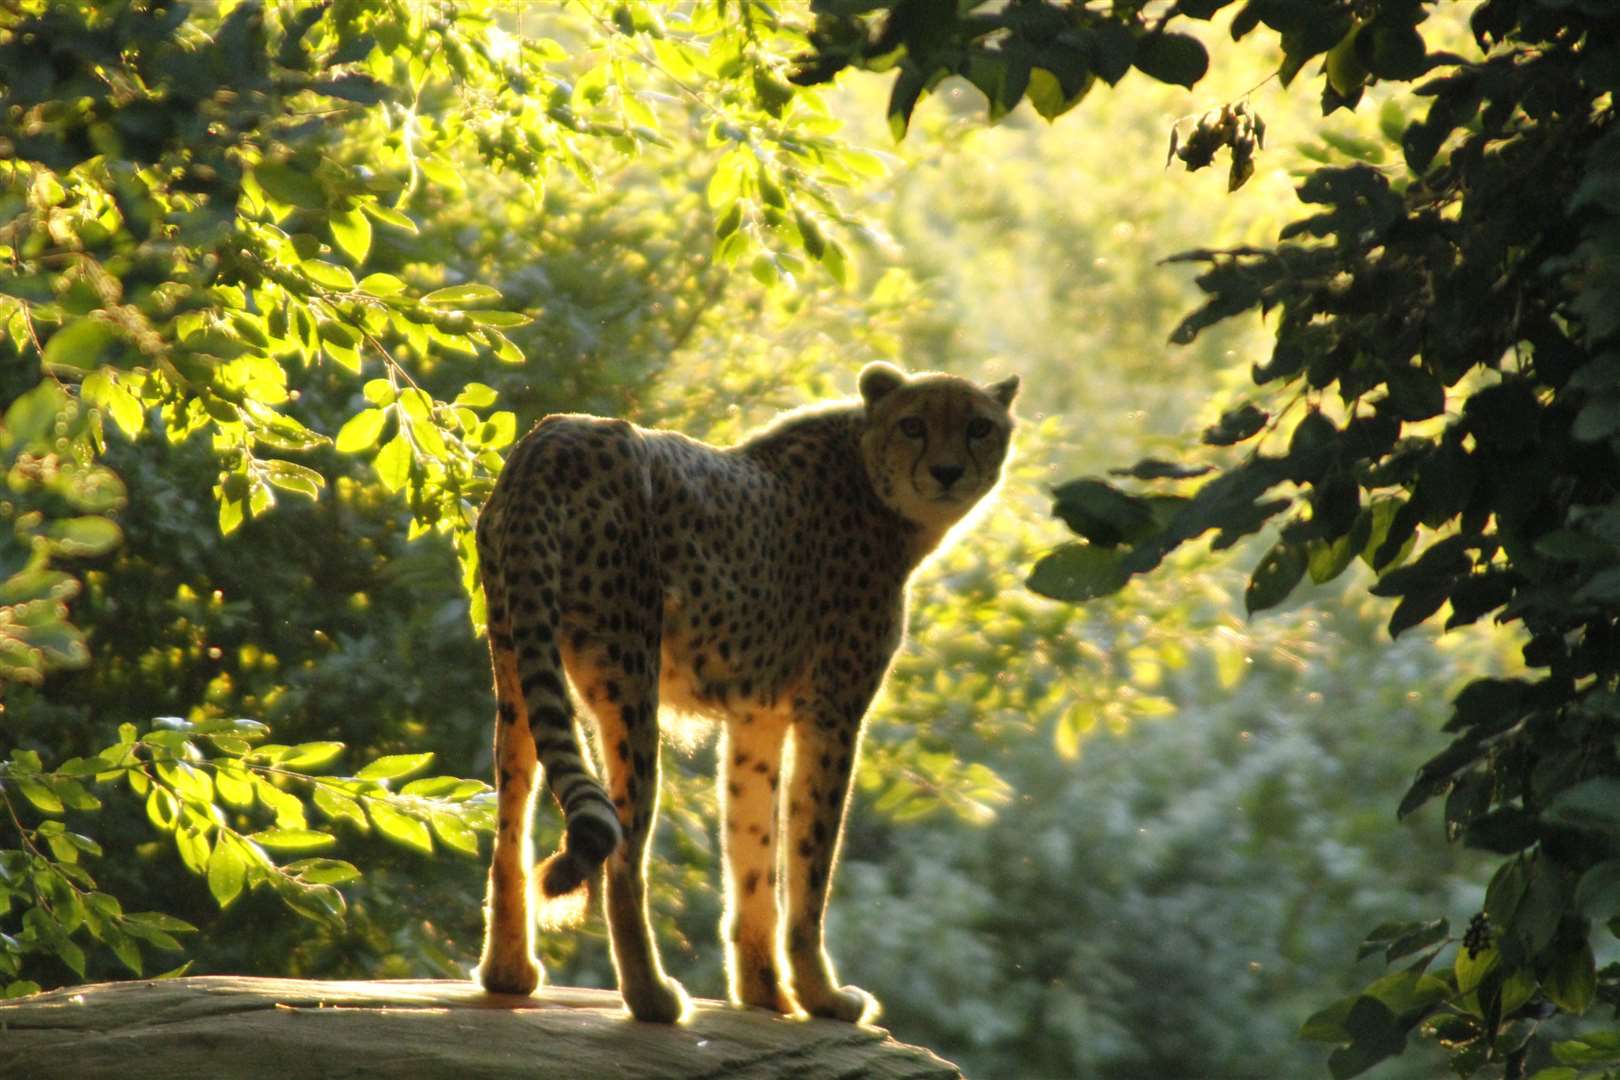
(208, 1027)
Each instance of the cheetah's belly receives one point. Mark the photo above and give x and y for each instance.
(704, 671)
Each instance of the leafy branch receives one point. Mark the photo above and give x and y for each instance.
(229, 802)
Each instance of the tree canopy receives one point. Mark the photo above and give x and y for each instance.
(1440, 402)
(284, 280)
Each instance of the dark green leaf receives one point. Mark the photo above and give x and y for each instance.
(1236, 425)
(1076, 572)
(1597, 895)
(1571, 978)
(1158, 469)
(1505, 831)
(1275, 576)
(1592, 804)
(358, 88)
(1393, 50)
(1103, 514)
(1375, 1033)
(1172, 58)
(1113, 48)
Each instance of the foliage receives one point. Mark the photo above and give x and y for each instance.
(239, 252)
(207, 786)
(56, 509)
(1441, 406)
(285, 281)
(1232, 849)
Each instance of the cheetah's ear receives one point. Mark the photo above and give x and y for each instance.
(878, 379)
(1004, 391)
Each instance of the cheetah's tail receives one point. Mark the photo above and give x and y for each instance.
(591, 833)
(591, 830)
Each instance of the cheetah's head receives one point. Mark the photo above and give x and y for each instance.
(933, 443)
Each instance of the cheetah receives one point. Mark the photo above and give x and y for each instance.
(762, 586)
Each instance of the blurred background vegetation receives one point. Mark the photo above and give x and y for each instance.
(1142, 837)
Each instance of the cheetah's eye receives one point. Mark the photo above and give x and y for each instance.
(979, 427)
(913, 428)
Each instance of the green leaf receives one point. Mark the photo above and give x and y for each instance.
(1592, 804)
(290, 476)
(1397, 51)
(398, 827)
(476, 395)
(355, 86)
(503, 319)
(338, 806)
(1079, 571)
(310, 755)
(381, 285)
(1602, 588)
(82, 536)
(1597, 895)
(1375, 1034)
(471, 294)
(1172, 58)
(1592, 1048)
(393, 463)
(361, 431)
(227, 872)
(328, 274)
(1113, 47)
(1470, 968)
(352, 232)
(908, 88)
(1102, 513)
(1571, 979)
(324, 871)
(1504, 831)
(1236, 425)
(453, 832)
(1275, 576)
(394, 766)
(389, 216)
(292, 186)
(128, 953)
(103, 390)
(33, 414)
(293, 839)
(81, 345)
(1599, 419)
(193, 848)
(36, 792)
(1328, 1025)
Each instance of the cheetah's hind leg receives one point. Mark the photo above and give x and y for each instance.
(508, 965)
(619, 683)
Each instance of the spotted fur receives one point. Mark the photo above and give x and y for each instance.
(761, 585)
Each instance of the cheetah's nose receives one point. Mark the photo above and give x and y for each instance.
(946, 474)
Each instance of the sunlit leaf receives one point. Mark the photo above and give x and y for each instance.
(227, 873)
(394, 766)
(400, 828)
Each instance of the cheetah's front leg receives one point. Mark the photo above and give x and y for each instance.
(823, 758)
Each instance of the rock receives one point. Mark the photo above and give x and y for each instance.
(208, 1027)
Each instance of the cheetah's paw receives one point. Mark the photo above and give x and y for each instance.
(849, 1003)
(519, 975)
(660, 1002)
